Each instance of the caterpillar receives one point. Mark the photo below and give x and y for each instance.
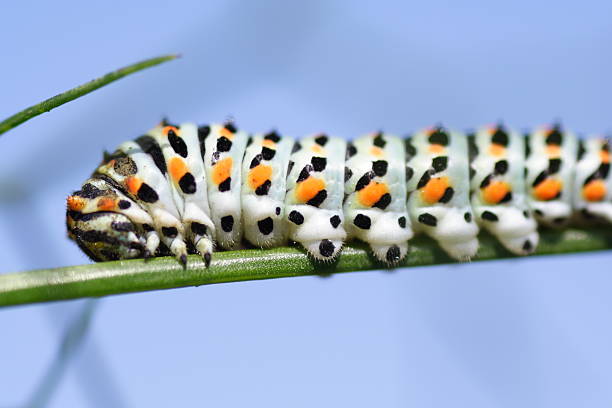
(181, 189)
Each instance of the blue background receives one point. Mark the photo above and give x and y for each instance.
(525, 332)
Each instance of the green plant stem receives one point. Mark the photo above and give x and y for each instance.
(79, 91)
(117, 277)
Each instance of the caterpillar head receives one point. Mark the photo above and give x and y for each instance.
(265, 226)
(319, 231)
(516, 229)
(104, 236)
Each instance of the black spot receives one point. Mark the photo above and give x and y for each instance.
(249, 141)
(501, 167)
(178, 144)
(559, 220)
(290, 166)
(203, 132)
(264, 188)
(122, 226)
(489, 216)
(225, 185)
(124, 204)
(541, 177)
(500, 137)
(326, 248)
(335, 221)
(125, 166)
(527, 146)
(364, 180)
(379, 167)
(428, 219)
(439, 163)
(227, 223)
(506, 198)
(296, 147)
(89, 191)
(147, 227)
(318, 199)
(539, 213)
(486, 181)
(305, 173)
(581, 149)
(424, 180)
(467, 217)
(267, 153)
(439, 136)
(198, 229)
(321, 140)
(526, 214)
(362, 221)
(231, 126)
(527, 246)
(170, 232)
(554, 165)
(351, 150)
(411, 151)
(265, 226)
(393, 254)
(147, 194)
(273, 136)
(472, 172)
(150, 146)
(215, 158)
(347, 174)
(278, 210)
(409, 173)
(296, 218)
(187, 183)
(224, 144)
(318, 163)
(402, 222)
(383, 202)
(472, 148)
(255, 162)
(447, 196)
(379, 141)
(555, 137)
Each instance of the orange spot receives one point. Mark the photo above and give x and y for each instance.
(133, 184)
(548, 189)
(436, 148)
(434, 189)
(370, 194)
(222, 170)
(495, 192)
(316, 148)
(225, 132)
(268, 143)
(497, 150)
(604, 156)
(106, 204)
(258, 175)
(594, 190)
(75, 203)
(177, 168)
(377, 151)
(553, 151)
(309, 188)
(167, 129)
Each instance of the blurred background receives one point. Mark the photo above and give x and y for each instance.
(522, 332)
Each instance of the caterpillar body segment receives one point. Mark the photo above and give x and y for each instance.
(315, 191)
(439, 202)
(182, 160)
(264, 182)
(593, 182)
(550, 166)
(224, 151)
(136, 173)
(498, 189)
(375, 189)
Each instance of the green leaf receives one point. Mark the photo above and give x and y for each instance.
(117, 277)
(79, 91)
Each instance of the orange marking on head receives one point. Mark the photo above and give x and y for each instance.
(497, 150)
(495, 192)
(376, 151)
(268, 143)
(309, 188)
(75, 203)
(604, 155)
(434, 189)
(133, 184)
(225, 132)
(167, 129)
(436, 148)
(258, 175)
(317, 148)
(370, 194)
(594, 190)
(553, 151)
(222, 170)
(177, 168)
(548, 189)
(107, 204)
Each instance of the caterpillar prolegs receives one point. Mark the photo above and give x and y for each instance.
(189, 189)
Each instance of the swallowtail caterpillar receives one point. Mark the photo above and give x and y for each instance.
(183, 189)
